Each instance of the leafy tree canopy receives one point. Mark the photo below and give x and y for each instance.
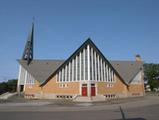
(151, 72)
(9, 86)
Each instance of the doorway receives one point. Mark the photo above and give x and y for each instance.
(93, 90)
(84, 89)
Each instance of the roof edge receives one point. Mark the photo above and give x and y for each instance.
(88, 41)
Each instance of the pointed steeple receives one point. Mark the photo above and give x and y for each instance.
(28, 51)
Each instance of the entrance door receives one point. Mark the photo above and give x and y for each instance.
(84, 89)
(21, 88)
(93, 90)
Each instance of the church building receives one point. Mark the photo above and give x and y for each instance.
(86, 75)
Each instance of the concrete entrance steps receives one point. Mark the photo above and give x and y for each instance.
(90, 99)
(83, 99)
(98, 98)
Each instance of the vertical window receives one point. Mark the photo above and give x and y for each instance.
(86, 64)
(107, 73)
(82, 65)
(71, 70)
(60, 76)
(74, 69)
(67, 72)
(63, 74)
(95, 66)
(78, 67)
(57, 77)
(101, 69)
(92, 64)
(91, 61)
(98, 63)
(97, 72)
(104, 71)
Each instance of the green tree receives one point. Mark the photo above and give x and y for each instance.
(9, 86)
(151, 72)
(3, 87)
(12, 85)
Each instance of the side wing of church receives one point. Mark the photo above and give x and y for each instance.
(85, 75)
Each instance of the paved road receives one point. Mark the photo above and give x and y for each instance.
(133, 109)
(141, 113)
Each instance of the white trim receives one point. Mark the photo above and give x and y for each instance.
(95, 57)
(73, 69)
(25, 79)
(84, 77)
(98, 69)
(69, 72)
(96, 85)
(19, 75)
(101, 68)
(80, 66)
(112, 76)
(62, 74)
(18, 87)
(88, 60)
(104, 72)
(76, 67)
(92, 63)
(80, 88)
(107, 73)
(66, 73)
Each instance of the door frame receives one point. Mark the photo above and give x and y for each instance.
(86, 87)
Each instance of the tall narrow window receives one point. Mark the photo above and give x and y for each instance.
(75, 69)
(80, 60)
(95, 66)
(82, 65)
(101, 69)
(78, 67)
(71, 70)
(92, 63)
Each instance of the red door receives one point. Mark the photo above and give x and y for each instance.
(84, 91)
(93, 91)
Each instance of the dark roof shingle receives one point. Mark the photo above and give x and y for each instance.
(42, 69)
(127, 69)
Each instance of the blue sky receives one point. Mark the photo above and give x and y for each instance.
(119, 28)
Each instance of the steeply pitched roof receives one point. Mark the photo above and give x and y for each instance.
(42, 69)
(127, 69)
(87, 42)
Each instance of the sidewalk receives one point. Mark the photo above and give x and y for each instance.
(45, 106)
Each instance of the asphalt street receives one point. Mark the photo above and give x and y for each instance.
(129, 109)
(141, 113)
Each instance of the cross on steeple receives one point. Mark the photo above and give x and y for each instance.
(28, 51)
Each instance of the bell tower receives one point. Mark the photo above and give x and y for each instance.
(28, 51)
